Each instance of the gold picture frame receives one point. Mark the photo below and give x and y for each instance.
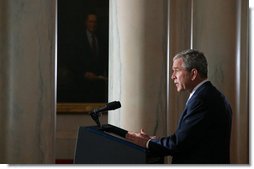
(77, 108)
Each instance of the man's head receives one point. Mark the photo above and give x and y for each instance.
(91, 22)
(189, 69)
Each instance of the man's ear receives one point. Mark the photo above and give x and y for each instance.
(194, 74)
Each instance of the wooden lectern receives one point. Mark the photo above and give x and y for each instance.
(107, 145)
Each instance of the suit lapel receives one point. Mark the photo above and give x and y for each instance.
(181, 116)
(193, 96)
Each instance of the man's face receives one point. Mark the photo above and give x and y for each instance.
(91, 23)
(180, 76)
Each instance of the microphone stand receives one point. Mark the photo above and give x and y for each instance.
(95, 116)
(107, 128)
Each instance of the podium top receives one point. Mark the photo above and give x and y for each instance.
(115, 134)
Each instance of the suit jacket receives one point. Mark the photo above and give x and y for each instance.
(83, 60)
(203, 132)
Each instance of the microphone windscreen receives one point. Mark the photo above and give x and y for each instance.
(113, 105)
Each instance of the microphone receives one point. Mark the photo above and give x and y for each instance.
(110, 106)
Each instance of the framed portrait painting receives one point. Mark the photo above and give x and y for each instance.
(82, 54)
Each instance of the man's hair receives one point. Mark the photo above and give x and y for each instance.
(193, 59)
(88, 14)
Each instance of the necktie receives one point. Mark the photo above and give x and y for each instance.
(94, 46)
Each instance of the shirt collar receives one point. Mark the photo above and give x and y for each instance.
(89, 33)
(195, 88)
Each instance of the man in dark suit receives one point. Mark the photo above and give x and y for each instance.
(87, 65)
(203, 132)
(92, 51)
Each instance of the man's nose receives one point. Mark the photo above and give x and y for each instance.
(173, 76)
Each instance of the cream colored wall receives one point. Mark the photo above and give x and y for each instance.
(137, 64)
(27, 81)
